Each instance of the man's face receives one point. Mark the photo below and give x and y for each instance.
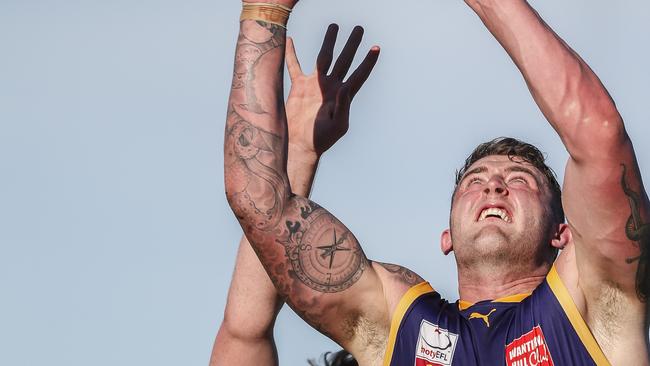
(501, 214)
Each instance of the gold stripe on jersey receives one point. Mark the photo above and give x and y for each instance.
(462, 304)
(578, 323)
(404, 304)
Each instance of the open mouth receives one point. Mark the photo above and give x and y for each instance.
(494, 212)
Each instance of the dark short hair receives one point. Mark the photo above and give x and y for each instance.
(513, 148)
(340, 358)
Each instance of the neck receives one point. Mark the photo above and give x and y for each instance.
(475, 286)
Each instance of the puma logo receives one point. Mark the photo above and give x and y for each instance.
(484, 317)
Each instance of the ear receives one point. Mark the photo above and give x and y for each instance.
(562, 236)
(445, 242)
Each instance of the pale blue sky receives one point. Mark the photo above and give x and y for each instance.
(116, 242)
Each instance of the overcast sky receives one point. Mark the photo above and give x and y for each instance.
(116, 241)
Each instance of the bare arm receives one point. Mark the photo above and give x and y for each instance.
(295, 239)
(245, 336)
(246, 333)
(312, 258)
(603, 196)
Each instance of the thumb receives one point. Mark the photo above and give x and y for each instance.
(293, 65)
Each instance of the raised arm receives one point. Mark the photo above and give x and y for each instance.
(603, 197)
(245, 336)
(314, 261)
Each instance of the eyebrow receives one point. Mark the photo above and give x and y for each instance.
(480, 169)
(477, 170)
(510, 169)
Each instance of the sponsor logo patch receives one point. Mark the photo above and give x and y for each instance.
(529, 350)
(435, 346)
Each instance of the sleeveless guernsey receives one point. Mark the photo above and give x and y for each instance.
(539, 329)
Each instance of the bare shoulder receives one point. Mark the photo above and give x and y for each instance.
(396, 281)
(400, 274)
(616, 318)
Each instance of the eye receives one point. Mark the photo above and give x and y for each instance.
(473, 180)
(518, 180)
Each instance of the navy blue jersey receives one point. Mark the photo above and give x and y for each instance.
(539, 329)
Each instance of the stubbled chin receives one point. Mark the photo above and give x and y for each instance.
(492, 233)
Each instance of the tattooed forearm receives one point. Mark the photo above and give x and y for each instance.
(250, 49)
(405, 275)
(257, 189)
(638, 232)
(256, 181)
(299, 243)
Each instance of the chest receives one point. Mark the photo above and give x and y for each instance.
(439, 334)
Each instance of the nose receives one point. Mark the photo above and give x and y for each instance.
(497, 186)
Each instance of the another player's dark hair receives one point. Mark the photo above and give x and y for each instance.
(340, 358)
(514, 149)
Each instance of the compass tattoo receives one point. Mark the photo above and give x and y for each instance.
(330, 250)
(326, 256)
(638, 232)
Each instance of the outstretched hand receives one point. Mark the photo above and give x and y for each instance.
(318, 107)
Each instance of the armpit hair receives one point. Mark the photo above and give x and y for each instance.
(370, 334)
(606, 312)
